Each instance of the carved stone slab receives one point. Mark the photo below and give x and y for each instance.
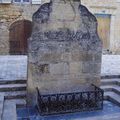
(64, 48)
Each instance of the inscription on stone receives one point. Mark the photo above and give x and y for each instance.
(65, 52)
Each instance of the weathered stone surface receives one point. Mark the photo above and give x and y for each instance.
(10, 13)
(82, 56)
(9, 110)
(59, 68)
(64, 48)
(75, 67)
(91, 67)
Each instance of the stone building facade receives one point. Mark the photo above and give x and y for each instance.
(11, 13)
(108, 8)
(8, 15)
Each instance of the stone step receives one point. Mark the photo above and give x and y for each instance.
(115, 116)
(12, 87)
(15, 94)
(113, 79)
(1, 105)
(110, 82)
(112, 88)
(9, 111)
(113, 97)
(19, 102)
(109, 76)
(22, 81)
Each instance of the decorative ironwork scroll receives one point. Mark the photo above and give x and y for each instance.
(70, 102)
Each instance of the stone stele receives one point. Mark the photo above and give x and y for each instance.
(64, 48)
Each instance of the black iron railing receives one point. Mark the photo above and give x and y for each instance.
(70, 102)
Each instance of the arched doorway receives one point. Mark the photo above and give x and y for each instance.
(20, 31)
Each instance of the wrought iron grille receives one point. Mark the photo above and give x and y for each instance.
(70, 102)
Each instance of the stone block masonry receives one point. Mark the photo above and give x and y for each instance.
(64, 48)
(8, 15)
(15, 12)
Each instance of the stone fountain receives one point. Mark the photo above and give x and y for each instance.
(64, 54)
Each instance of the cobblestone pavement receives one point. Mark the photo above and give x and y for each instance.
(15, 67)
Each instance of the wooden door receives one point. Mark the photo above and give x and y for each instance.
(20, 31)
(104, 29)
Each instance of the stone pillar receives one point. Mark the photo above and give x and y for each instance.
(64, 48)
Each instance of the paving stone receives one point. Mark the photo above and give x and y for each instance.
(105, 117)
(113, 97)
(1, 104)
(109, 111)
(9, 111)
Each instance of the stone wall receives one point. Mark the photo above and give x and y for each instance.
(8, 15)
(13, 12)
(112, 8)
(64, 48)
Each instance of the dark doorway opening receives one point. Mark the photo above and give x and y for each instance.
(20, 31)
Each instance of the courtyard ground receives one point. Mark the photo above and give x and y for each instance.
(15, 67)
(13, 76)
